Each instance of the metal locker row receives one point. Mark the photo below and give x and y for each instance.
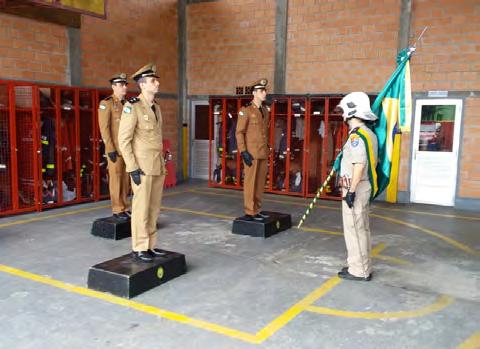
(306, 135)
(49, 146)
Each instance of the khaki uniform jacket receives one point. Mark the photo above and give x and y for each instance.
(109, 113)
(253, 131)
(140, 137)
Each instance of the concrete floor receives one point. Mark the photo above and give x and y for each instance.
(244, 292)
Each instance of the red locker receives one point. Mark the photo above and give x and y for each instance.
(305, 137)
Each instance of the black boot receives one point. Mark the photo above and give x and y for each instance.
(143, 256)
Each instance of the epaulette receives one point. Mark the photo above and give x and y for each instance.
(133, 100)
(108, 98)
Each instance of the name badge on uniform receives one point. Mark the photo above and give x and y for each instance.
(127, 110)
(103, 107)
(241, 113)
(145, 117)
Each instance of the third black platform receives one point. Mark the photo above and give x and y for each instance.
(275, 223)
(112, 228)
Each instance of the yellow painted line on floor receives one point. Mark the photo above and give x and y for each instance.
(69, 213)
(375, 207)
(318, 230)
(200, 213)
(440, 303)
(258, 338)
(286, 202)
(472, 342)
(447, 215)
(173, 193)
(446, 239)
(392, 259)
(247, 337)
(375, 251)
(296, 309)
(56, 215)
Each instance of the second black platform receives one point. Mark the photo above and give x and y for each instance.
(275, 223)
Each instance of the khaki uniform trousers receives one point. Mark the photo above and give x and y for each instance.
(118, 180)
(147, 199)
(356, 230)
(253, 185)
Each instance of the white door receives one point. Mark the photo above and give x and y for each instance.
(200, 136)
(435, 151)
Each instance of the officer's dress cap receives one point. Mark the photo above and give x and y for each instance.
(262, 83)
(119, 77)
(145, 71)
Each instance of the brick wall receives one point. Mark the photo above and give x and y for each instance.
(448, 57)
(469, 172)
(32, 50)
(230, 43)
(341, 46)
(170, 130)
(135, 33)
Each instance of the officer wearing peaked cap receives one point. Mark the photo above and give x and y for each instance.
(252, 140)
(358, 181)
(140, 138)
(109, 113)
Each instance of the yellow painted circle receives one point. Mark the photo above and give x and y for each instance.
(160, 272)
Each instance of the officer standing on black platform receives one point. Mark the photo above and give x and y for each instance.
(109, 113)
(252, 140)
(141, 141)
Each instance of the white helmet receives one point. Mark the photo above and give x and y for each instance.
(357, 104)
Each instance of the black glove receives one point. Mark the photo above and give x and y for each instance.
(136, 176)
(349, 198)
(113, 156)
(247, 158)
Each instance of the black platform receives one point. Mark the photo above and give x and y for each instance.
(274, 224)
(111, 228)
(127, 277)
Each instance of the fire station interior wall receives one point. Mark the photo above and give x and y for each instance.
(133, 34)
(230, 43)
(32, 50)
(341, 46)
(448, 59)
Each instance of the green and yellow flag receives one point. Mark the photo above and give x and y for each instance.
(393, 106)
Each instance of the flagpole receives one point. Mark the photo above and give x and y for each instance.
(392, 188)
(317, 196)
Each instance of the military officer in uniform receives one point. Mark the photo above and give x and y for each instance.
(140, 139)
(109, 113)
(358, 181)
(252, 141)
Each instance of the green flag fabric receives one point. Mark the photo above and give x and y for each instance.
(393, 106)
